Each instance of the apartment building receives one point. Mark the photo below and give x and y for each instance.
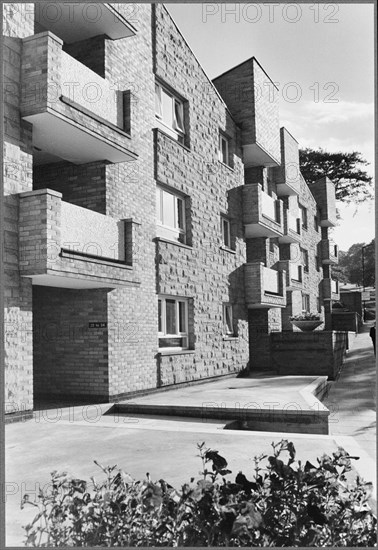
(157, 226)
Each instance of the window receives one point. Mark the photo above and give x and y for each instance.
(169, 111)
(170, 215)
(316, 223)
(304, 258)
(305, 303)
(304, 216)
(223, 149)
(318, 305)
(228, 328)
(173, 322)
(226, 231)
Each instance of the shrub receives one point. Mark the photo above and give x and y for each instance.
(287, 503)
(306, 317)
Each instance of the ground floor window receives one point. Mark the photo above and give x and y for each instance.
(228, 325)
(173, 322)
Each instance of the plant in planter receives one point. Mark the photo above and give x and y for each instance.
(306, 322)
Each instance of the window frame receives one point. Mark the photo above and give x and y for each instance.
(225, 219)
(184, 335)
(306, 303)
(304, 217)
(178, 199)
(178, 127)
(227, 331)
(226, 140)
(305, 259)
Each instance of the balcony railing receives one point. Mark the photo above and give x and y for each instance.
(264, 287)
(75, 113)
(329, 252)
(262, 214)
(65, 245)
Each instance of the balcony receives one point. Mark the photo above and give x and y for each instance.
(330, 289)
(64, 245)
(324, 193)
(262, 214)
(76, 115)
(287, 176)
(252, 98)
(291, 227)
(329, 253)
(264, 287)
(293, 274)
(79, 21)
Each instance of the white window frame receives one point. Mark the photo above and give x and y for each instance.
(228, 233)
(227, 331)
(223, 138)
(178, 334)
(179, 203)
(177, 130)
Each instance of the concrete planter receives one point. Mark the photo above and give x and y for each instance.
(306, 326)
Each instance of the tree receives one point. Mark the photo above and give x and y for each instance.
(350, 264)
(352, 183)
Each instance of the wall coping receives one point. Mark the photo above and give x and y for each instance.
(43, 34)
(41, 192)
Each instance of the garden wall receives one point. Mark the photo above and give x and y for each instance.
(308, 353)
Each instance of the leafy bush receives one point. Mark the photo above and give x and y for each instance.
(285, 504)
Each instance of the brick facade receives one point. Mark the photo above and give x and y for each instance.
(95, 322)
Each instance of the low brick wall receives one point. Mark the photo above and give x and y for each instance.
(346, 321)
(308, 353)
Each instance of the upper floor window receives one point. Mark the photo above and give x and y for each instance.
(170, 113)
(228, 325)
(304, 217)
(170, 215)
(173, 322)
(226, 232)
(223, 149)
(316, 223)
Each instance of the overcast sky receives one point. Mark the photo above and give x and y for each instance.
(321, 56)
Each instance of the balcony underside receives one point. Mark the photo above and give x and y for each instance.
(284, 189)
(327, 223)
(76, 280)
(80, 21)
(289, 238)
(56, 137)
(253, 230)
(255, 155)
(268, 301)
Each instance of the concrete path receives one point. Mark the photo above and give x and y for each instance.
(352, 404)
(352, 397)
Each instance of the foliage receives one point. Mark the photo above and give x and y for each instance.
(350, 263)
(306, 317)
(287, 503)
(352, 183)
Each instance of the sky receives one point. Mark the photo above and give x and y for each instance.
(322, 58)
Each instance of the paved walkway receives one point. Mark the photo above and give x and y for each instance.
(352, 397)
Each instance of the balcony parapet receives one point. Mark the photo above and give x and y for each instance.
(65, 245)
(330, 289)
(262, 214)
(264, 287)
(291, 227)
(294, 274)
(75, 113)
(329, 252)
